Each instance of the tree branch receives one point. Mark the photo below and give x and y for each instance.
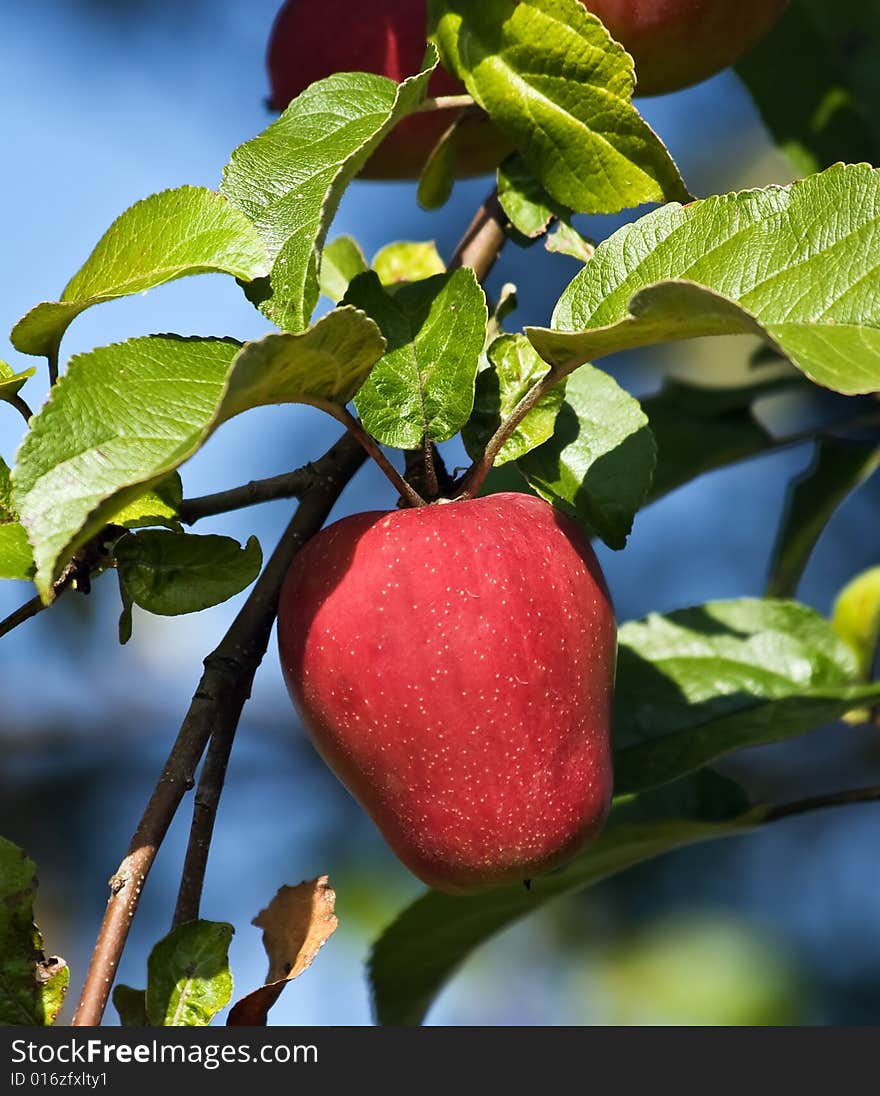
(207, 800)
(486, 235)
(215, 709)
(288, 485)
(25, 612)
(821, 802)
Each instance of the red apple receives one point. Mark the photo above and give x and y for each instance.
(676, 43)
(311, 39)
(454, 666)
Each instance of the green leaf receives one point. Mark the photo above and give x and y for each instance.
(190, 230)
(439, 173)
(32, 987)
(470, 140)
(838, 468)
(699, 429)
(290, 179)
(16, 557)
(188, 977)
(422, 949)
(566, 240)
(532, 211)
(341, 263)
(11, 383)
(856, 618)
(792, 264)
(174, 573)
(528, 206)
(514, 368)
(125, 416)
(131, 1004)
(698, 684)
(815, 81)
(597, 467)
(159, 506)
(435, 331)
(7, 509)
(560, 89)
(407, 261)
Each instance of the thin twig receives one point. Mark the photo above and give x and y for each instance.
(486, 235)
(25, 612)
(288, 485)
(821, 802)
(207, 800)
(372, 448)
(216, 706)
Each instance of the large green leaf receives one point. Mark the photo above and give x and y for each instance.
(838, 469)
(816, 80)
(695, 685)
(793, 264)
(32, 987)
(560, 89)
(290, 179)
(435, 330)
(422, 949)
(174, 573)
(513, 368)
(125, 416)
(190, 230)
(188, 977)
(597, 467)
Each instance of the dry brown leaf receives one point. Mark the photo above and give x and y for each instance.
(296, 924)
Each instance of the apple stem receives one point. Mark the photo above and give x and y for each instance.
(445, 102)
(374, 450)
(473, 479)
(430, 469)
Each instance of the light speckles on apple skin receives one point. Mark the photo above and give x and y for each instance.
(454, 666)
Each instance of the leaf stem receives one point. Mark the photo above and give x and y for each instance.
(373, 449)
(473, 479)
(53, 364)
(445, 102)
(215, 709)
(22, 406)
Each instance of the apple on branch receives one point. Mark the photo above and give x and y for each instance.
(675, 43)
(454, 665)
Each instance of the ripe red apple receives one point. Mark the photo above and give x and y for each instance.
(454, 665)
(311, 39)
(676, 43)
